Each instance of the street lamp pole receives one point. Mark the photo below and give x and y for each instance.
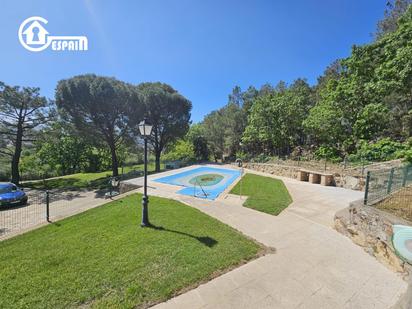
(145, 129)
(145, 200)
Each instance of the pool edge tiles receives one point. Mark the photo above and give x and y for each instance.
(212, 192)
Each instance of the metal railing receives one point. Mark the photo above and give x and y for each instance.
(50, 205)
(194, 189)
(390, 190)
(381, 184)
(40, 206)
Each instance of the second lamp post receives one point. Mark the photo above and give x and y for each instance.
(145, 128)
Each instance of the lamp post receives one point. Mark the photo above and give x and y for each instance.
(145, 128)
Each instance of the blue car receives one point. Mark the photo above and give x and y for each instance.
(11, 195)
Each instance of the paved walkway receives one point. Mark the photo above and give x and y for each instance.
(313, 267)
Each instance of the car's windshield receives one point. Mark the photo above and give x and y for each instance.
(5, 189)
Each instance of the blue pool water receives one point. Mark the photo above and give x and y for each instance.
(212, 180)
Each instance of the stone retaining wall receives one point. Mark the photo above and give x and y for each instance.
(371, 229)
(348, 179)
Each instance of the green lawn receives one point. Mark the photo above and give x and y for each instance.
(103, 258)
(265, 194)
(84, 180)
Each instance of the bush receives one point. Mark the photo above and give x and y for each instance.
(262, 158)
(181, 151)
(327, 153)
(382, 150)
(243, 156)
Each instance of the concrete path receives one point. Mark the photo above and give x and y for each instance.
(313, 267)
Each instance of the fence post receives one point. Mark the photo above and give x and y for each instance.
(405, 175)
(363, 167)
(390, 180)
(48, 206)
(368, 178)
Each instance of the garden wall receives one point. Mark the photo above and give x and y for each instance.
(371, 229)
(350, 179)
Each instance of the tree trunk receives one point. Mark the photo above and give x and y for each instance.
(157, 164)
(115, 163)
(15, 175)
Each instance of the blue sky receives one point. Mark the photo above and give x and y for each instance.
(202, 48)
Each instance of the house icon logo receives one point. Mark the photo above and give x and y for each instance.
(34, 37)
(35, 34)
(32, 34)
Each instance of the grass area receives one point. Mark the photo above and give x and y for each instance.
(265, 194)
(102, 258)
(399, 203)
(84, 180)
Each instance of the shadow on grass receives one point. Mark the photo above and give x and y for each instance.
(205, 240)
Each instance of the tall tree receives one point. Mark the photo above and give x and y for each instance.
(169, 113)
(236, 96)
(248, 97)
(63, 149)
(223, 130)
(100, 107)
(394, 10)
(275, 120)
(22, 110)
(196, 136)
(214, 127)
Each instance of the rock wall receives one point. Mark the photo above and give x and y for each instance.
(275, 169)
(371, 229)
(348, 179)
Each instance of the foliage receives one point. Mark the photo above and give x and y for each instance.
(223, 130)
(101, 258)
(169, 113)
(83, 180)
(182, 150)
(327, 153)
(69, 155)
(372, 121)
(100, 107)
(196, 136)
(22, 110)
(382, 150)
(395, 9)
(275, 120)
(214, 125)
(265, 194)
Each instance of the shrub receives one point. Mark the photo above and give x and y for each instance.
(327, 153)
(182, 150)
(382, 150)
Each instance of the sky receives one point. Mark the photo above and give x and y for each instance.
(201, 48)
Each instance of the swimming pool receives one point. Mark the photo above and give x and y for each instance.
(203, 182)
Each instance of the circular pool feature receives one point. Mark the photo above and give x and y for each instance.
(402, 241)
(206, 180)
(203, 182)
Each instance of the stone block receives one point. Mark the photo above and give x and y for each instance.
(314, 178)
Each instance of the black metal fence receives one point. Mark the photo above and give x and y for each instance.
(45, 206)
(18, 217)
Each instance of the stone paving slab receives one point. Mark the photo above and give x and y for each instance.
(313, 267)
